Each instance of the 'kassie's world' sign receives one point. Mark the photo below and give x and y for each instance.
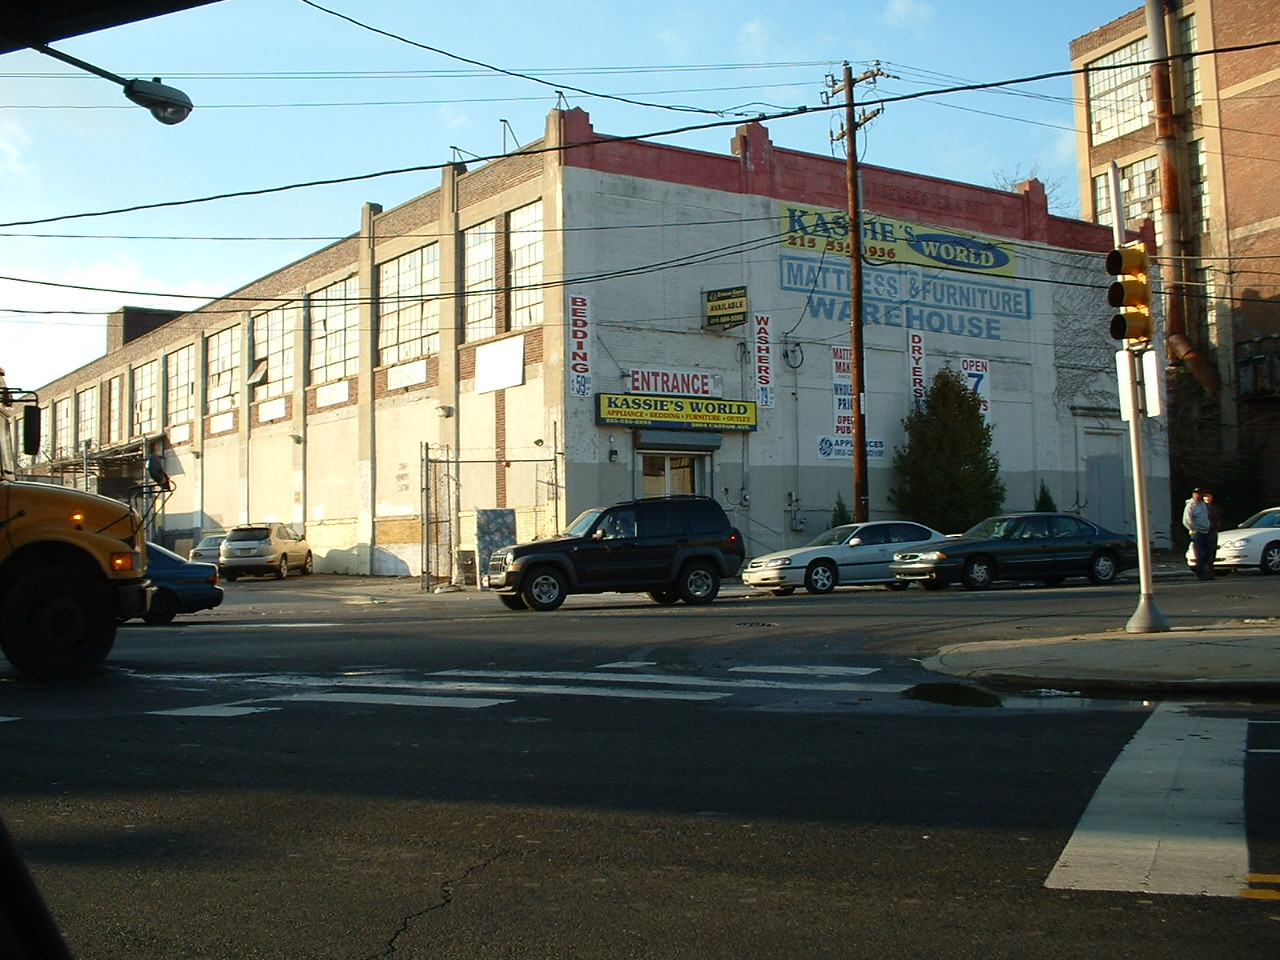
(681, 413)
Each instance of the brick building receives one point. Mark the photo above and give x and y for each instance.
(1225, 78)
(588, 320)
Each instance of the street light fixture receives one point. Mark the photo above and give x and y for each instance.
(167, 104)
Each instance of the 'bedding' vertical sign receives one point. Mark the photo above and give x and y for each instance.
(579, 345)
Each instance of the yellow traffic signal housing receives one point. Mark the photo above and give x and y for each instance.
(1131, 293)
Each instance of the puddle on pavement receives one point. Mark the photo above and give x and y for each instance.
(956, 694)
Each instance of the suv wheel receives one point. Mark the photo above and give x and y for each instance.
(665, 595)
(282, 568)
(544, 589)
(513, 601)
(698, 583)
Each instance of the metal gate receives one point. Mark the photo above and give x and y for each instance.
(454, 491)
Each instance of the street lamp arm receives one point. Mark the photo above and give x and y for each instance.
(167, 104)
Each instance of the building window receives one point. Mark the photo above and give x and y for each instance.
(1119, 90)
(63, 445)
(222, 362)
(146, 400)
(115, 409)
(1199, 219)
(409, 306)
(87, 417)
(1140, 186)
(525, 245)
(478, 250)
(335, 331)
(1190, 71)
(180, 386)
(273, 331)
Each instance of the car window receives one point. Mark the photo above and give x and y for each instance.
(1035, 528)
(249, 534)
(661, 520)
(703, 518)
(873, 534)
(1267, 518)
(1069, 527)
(908, 533)
(834, 535)
(993, 528)
(619, 524)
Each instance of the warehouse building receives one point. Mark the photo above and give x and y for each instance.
(589, 320)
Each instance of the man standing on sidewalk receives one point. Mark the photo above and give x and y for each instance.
(1195, 517)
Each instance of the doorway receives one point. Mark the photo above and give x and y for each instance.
(670, 474)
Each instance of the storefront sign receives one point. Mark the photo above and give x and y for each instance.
(915, 368)
(690, 383)
(688, 413)
(725, 308)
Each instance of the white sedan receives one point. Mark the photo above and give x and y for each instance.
(1255, 543)
(854, 553)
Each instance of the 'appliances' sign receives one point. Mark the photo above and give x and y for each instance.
(686, 413)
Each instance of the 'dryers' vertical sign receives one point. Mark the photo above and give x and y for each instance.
(579, 345)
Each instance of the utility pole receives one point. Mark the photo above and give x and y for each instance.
(848, 133)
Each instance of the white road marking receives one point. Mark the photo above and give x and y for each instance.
(663, 679)
(812, 670)
(212, 710)
(1169, 815)
(396, 700)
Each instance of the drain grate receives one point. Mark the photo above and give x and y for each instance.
(756, 623)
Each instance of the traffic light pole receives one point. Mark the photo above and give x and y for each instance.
(1147, 618)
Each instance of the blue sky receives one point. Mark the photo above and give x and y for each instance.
(287, 93)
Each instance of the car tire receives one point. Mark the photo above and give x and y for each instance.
(897, 585)
(282, 568)
(1102, 567)
(308, 566)
(699, 583)
(979, 573)
(164, 607)
(783, 591)
(1270, 558)
(821, 577)
(665, 596)
(59, 622)
(230, 576)
(544, 589)
(513, 601)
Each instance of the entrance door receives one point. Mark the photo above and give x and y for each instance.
(668, 475)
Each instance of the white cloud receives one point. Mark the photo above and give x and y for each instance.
(13, 143)
(906, 13)
(755, 40)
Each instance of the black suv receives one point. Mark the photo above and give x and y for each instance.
(676, 548)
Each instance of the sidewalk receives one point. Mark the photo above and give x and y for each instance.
(1238, 657)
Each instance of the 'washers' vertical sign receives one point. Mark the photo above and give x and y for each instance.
(725, 308)
(579, 345)
(763, 345)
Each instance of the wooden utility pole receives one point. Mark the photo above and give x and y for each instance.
(856, 355)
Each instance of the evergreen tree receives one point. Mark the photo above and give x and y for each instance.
(1044, 500)
(841, 514)
(948, 477)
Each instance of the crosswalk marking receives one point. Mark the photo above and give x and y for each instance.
(744, 683)
(809, 670)
(1169, 815)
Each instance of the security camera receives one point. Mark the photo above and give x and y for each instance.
(167, 104)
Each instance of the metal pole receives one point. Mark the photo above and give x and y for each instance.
(856, 353)
(1147, 618)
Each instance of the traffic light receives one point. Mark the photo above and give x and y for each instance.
(1131, 292)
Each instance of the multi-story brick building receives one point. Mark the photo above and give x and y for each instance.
(1224, 81)
(589, 320)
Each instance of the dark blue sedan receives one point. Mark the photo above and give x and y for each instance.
(1048, 547)
(180, 585)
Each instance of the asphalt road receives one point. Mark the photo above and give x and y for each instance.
(348, 768)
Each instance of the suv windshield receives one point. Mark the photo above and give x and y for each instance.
(258, 533)
(580, 526)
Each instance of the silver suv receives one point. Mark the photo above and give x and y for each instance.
(263, 548)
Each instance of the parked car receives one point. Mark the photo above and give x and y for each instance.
(264, 548)
(180, 585)
(206, 551)
(1255, 543)
(1048, 547)
(853, 553)
(676, 548)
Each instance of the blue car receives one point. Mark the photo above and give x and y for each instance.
(180, 585)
